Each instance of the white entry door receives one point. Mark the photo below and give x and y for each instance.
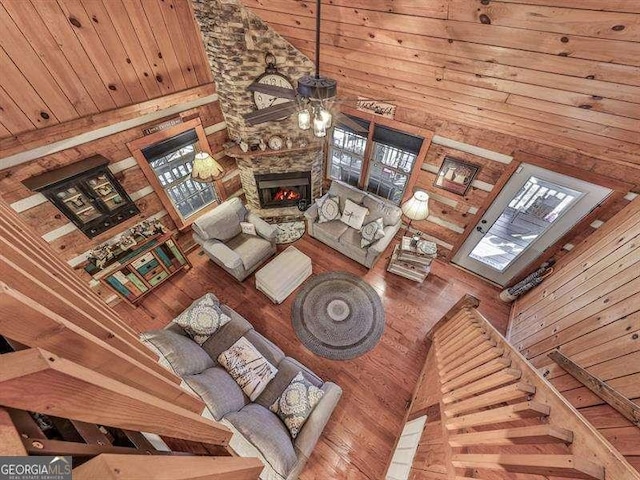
(533, 210)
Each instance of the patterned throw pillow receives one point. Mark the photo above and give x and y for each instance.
(296, 403)
(371, 232)
(251, 371)
(353, 214)
(248, 228)
(329, 209)
(203, 318)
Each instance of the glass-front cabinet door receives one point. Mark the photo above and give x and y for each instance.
(104, 190)
(78, 203)
(87, 193)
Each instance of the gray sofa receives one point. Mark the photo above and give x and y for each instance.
(257, 432)
(345, 239)
(220, 235)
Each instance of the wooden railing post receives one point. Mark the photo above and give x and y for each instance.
(10, 440)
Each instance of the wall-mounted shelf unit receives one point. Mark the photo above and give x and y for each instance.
(87, 193)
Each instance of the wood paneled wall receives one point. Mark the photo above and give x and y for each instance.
(489, 75)
(67, 241)
(589, 309)
(565, 75)
(66, 59)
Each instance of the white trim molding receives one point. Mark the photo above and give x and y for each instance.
(472, 149)
(28, 155)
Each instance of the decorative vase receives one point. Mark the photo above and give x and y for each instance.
(262, 145)
(289, 142)
(244, 146)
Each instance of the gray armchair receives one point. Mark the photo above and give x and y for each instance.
(220, 235)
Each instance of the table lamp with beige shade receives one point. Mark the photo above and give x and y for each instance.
(205, 168)
(416, 208)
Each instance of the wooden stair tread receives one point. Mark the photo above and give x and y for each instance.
(487, 369)
(495, 380)
(474, 362)
(568, 466)
(453, 344)
(466, 356)
(509, 413)
(444, 358)
(501, 395)
(510, 436)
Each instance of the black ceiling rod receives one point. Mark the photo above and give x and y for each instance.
(318, 4)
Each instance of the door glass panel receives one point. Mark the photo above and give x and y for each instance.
(79, 204)
(532, 211)
(105, 191)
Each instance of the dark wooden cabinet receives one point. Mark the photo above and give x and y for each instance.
(87, 193)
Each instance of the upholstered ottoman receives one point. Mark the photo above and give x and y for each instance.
(282, 275)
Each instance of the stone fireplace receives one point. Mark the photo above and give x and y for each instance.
(273, 180)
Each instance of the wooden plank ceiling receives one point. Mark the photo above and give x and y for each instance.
(65, 59)
(562, 72)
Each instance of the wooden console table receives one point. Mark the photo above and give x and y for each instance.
(150, 265)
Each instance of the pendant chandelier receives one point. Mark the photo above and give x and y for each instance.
(316, 89)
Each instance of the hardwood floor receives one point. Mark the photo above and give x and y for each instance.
(377, 387)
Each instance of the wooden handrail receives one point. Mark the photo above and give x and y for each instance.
(40, 327)
(628, 409)
(39, 381)
(470, 399)
(128, 467)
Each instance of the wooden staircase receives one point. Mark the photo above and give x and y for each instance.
(500, 419)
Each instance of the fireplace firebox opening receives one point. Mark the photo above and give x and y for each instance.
(283, 189)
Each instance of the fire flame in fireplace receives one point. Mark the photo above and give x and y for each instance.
(286, 194)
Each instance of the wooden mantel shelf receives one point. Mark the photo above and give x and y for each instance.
(236, 151)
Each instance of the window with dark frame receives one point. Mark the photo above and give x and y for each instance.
(392, 157)
(171, 161)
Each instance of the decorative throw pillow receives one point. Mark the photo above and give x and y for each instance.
(248, 228)
(329, 209)
(203, 318)
(353, 214)
(371, 232)
(296, 403)
(251, 371)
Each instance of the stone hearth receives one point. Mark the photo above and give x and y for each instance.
(250, 164)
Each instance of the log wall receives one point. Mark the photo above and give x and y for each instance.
(48, 222)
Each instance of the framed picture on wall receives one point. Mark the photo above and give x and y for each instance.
(455, 175)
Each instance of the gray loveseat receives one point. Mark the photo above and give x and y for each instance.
(257, 432)
(345, 239)
(220, 235)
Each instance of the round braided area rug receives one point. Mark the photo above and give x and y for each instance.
(338, 315)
